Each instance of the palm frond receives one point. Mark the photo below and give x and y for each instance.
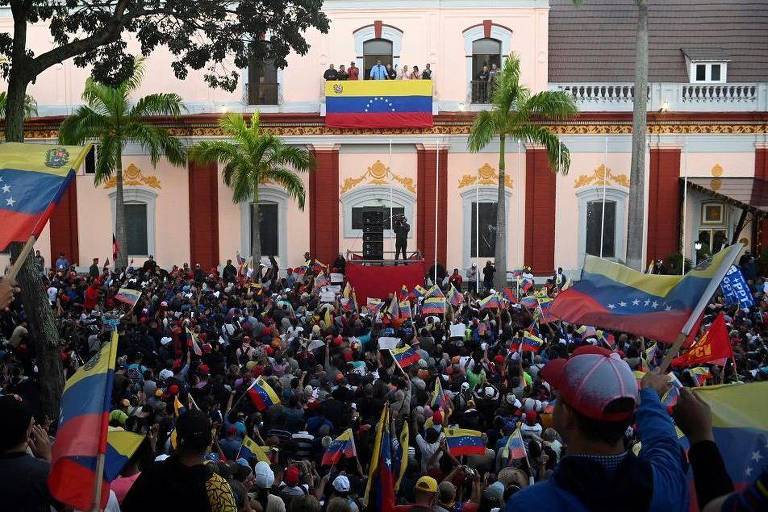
(551, 105)
(30, 105)
(161, 104)
(292, 184)
(101, 98)
(557, 153)
(507, 85)
(134, 81)
(484, 129)
(106, 158)
(83, 125)
(233, 124)
(214, 151)
(157, 141)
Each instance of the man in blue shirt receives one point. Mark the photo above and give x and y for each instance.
(62, 263)
(596, 399)
(378, 72)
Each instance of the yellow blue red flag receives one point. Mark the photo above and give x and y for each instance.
(121, 445)
(33, 177)
(251, 450)
(378, 104)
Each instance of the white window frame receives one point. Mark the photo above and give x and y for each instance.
(617, 195)
(708, 72)
(392, 34)
(377, 195)
(473, 34)
(483, 195)
(139, 196)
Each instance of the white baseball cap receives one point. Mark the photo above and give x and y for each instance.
(341, 483)
(263, 475)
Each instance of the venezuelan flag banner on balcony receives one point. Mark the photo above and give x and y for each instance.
(378, 104)
(33, 177)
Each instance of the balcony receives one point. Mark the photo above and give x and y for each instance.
(481, 91)
(675, 97)
(263, 93)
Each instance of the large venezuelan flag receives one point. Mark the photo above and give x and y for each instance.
(33, 177)
(379, 491)
(378, 104)
(121, 445)
(461, 441)
(613, 296)
(82, 433)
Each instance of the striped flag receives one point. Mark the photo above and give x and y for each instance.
(121, 445)
(419, 291)
(262, 395)
(394, 308)
(529, 343)
(463, 441)
(405, 309)
(379, 491)
(400, 453)
(374, 305)
(250, 450)
(455, 297)
(515, 447)
(341, 447)
(178, 407)
(490, 302)
(128, 296)
(529, 302)
(509, 295)
(438, 396)
(405, 356)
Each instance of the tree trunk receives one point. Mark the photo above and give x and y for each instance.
(122, 256)
(44, 335)
(500, 252)
(256, 233)
(14, 109)
(636, 215)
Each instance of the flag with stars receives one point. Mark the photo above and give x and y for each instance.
(379, 491)
(740, 426)
(378, 104)
(33, 177)
(660, 307)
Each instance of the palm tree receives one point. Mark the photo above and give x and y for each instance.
(515, 114)
(30, 105)
(109, 117)
(254, 157)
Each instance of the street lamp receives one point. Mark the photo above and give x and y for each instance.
(697, 247)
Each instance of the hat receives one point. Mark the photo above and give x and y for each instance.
(590, 380)
(341, 483)
(165, 374)
(263, 475)
(426, 484)
(118, 416)
(203, 369)
(291, 476)
(165, 340)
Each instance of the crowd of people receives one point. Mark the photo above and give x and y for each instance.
(378, 71)
(197, 339)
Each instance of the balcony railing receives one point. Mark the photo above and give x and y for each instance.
(263, 94)
(608, 96)
(481, 91)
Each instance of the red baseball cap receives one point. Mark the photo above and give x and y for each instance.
(291, 475)
(590, 380)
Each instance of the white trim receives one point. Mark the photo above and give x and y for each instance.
(376, 195)
(483, 194)
(368, 33)
(617, 195)
(140, 196)
(268, 195)
(502, 34)
(707, 72)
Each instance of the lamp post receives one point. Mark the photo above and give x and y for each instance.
(697, 247)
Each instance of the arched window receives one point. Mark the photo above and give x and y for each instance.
(486, 61)
(602, 231)
(375, 50)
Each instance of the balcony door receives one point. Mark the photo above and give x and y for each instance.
(376, 50)
(485, 53)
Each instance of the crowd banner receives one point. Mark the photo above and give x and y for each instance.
(735, 289)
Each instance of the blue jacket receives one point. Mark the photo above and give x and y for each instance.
(660, 449)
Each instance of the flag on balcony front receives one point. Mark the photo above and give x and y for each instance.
(378, 104)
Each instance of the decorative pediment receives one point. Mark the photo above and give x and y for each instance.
(601, 176)
(378, 174)
(485, 176)
(133, 177)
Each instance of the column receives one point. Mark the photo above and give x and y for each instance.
(761, 172)
(324, 205)
(664, 203)
(540, 207)
(203, 214)
(64, 236)
(429, 202)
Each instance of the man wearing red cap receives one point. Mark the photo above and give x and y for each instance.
(596, 400)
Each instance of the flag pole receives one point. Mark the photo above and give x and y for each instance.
(683, 249)
(477, 235)
(101, 456)
(21, 258)
(437, 196)
(605, 183)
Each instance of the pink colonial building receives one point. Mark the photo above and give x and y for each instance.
(707, 142)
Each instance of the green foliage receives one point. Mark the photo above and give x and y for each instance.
(254, 157)
(673, 264)
(109, 117)
(517, 113)
(30, 105)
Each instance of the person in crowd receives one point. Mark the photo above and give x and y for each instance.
(488, 271)
(342, 73)
(427, 73)
(229, 272)
(93, 270)
(62, 263)
(456, 279)
(40, 262)
(353, 71)
(391, 72)
(330, 73)
(404, 74)
(378, 71)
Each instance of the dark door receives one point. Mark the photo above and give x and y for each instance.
(268, 226)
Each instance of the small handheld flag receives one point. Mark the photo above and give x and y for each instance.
(341, 447)
(262, 395)
(462, 441)
(405, 356)
(250, 450)
(515, 447)
(128, 296)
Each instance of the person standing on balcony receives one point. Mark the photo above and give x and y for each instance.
(342, 73)
(378, 72)
(391, 72)
(330, 73)
(353, 71)
(415, 75)
(404, 73)
(482, 84)
(427, 73)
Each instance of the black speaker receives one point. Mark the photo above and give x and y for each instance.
(373, 250)
(373, 217)
(373, 228)
(373, 237)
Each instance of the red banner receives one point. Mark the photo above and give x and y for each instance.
(380, 281)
